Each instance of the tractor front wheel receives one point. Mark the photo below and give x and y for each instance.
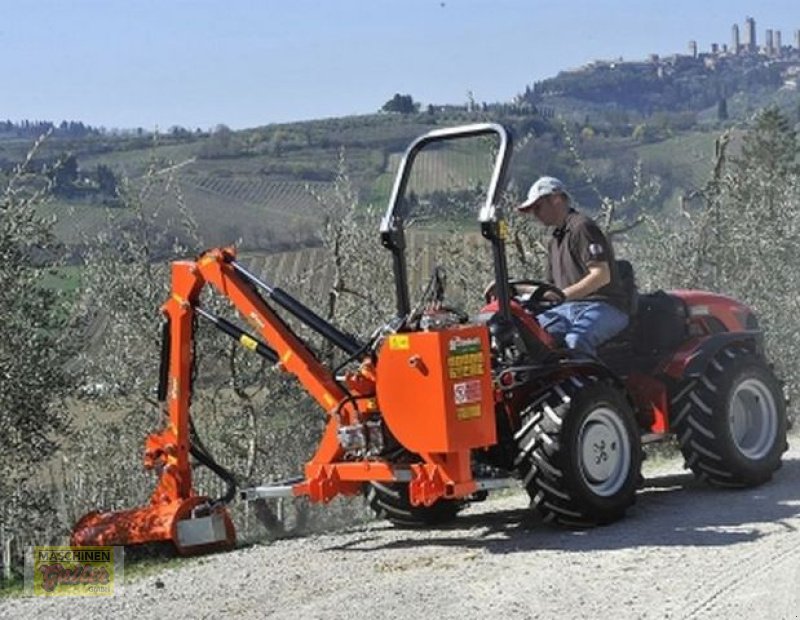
(731, 422)
(579, 453)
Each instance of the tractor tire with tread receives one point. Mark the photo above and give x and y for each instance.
(391, 502)
(731, 422)
(580, 452)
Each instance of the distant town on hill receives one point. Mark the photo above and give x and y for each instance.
(690, 81)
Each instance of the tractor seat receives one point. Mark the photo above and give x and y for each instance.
(623, 338)
(628, 280)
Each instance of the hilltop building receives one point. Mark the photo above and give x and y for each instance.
(750, 25)
(743, 52)
(724, 69)
(773, 44)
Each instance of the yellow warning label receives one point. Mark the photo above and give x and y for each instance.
(247, 342)
(399, 342)
(469, 365)
(502, 229)
(468, 412)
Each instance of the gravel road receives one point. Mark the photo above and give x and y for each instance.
(685, 551)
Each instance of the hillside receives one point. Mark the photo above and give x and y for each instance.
(263, 187)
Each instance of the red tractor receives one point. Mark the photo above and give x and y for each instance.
(435, 408)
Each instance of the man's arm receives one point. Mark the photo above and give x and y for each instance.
(599, 275)
(591, 246)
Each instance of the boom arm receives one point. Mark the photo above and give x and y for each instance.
(215, 268)
(176, 513)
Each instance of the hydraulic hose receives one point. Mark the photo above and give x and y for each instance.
(198, 450)
(219, 470)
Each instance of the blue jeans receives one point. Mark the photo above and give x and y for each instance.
(583, 325)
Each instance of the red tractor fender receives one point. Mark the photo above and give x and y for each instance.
(694, 356)
(702, 306)
(717, 321)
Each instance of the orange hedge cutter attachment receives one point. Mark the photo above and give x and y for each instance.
(420, 408)
(411, 408)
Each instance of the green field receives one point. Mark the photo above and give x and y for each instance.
(442, 170)
(690, 156)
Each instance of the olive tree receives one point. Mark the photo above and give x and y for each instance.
(34, 351)
(738, 233)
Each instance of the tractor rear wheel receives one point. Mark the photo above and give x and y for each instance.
(731, 422)
(579, 453)
(391, 501)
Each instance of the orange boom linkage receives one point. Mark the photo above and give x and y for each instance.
(414, 384)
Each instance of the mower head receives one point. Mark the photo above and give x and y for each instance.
(191, 525)
(176, 513)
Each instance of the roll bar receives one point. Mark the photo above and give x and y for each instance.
(493, 226)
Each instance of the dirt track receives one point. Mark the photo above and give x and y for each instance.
(686, 551)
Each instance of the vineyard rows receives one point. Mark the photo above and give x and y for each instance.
(308, 273)
(291, 196)
(446, 170)
(263, 213)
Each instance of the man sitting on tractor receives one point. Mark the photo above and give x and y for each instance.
(580, 261)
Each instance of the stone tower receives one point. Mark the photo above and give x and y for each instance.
(751, 34)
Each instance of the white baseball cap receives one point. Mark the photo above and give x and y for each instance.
(543, 187)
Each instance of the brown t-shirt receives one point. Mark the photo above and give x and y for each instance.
(575, 245)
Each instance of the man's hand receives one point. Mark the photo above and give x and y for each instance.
(551, 296)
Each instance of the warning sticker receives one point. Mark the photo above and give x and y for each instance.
(468, 365)
(467, 392)
(399, 342)
(468, 412)
(465, 358)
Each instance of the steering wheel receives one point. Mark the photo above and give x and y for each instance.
(535, 301)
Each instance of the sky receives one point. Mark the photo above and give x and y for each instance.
(245, 63)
